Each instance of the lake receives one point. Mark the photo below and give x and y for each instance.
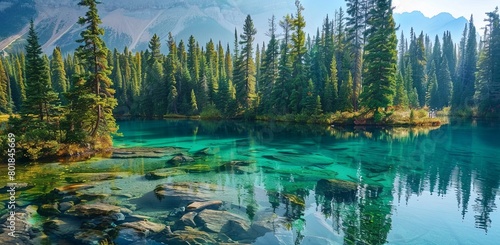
(279, 183)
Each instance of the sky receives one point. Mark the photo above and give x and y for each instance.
(456, 8)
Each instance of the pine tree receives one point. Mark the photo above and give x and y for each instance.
(401, 96)
(245, 82)
(418, 62)
(281, 92)
(464, 85)
(356, 26)
(380, 58)
(488, 74)
(40, 98)
(59, 79)
(171, 67)
(445, 85)
(346, 94)
(92, 54)
(269, 68)
(331, 95)
(298, 53)
(194, 106)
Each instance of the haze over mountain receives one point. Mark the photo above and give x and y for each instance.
(131, 23)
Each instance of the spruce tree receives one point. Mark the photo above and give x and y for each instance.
(245, 82)
(346, 94)
(488, 74)
(380, 58)
(281, 92)
(59, 79)
(401, 96)
(269, 68)
(298, 52)
(464, 85)
(92, 54)
(39, 96)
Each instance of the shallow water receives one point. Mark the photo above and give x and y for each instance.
(394, 186)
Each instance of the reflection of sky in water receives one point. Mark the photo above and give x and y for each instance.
(394, 173)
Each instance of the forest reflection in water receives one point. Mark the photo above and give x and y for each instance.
(315, 184)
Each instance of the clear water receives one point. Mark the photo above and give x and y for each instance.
(406, 186)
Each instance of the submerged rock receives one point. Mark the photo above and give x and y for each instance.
(163, 173)
(92, 237)
(186, 220)
(89, 177)
(145, 226)
(214, 221)
(143, 152)
(73, 188)
(187, 236)
(48, 210)
(24, 232)
(180, 159)
(197, 206)
(93, 210)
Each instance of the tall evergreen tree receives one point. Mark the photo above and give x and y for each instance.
(488, 75)
(463, 89)
(269, 68)
(298, 52)
(245, 82)
(380, 58)
(92, 54)
(40, 98)
(356, 26)
(59, 79)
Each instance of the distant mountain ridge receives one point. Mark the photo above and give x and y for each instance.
(131, 23)
(436, 25)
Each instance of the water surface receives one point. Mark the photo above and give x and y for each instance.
(323, 185)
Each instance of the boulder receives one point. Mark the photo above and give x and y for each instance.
(61, 227)
(92, 237)
(65, 206)
(187, 236)
(145, 226)
(214, 220)
(180, 159)
(48, 210)
(186, 220)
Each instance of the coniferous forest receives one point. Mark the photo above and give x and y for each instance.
(354, 62)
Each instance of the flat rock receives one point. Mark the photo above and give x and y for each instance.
(144, 226)
(198, 206)
(92, 210)
(73, 188)
(163, 173)
(89, 177)
(143, 152)
(65, 206)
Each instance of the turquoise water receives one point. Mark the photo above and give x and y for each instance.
(320, 185)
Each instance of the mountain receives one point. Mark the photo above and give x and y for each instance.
(131, 23)
(436, 25)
